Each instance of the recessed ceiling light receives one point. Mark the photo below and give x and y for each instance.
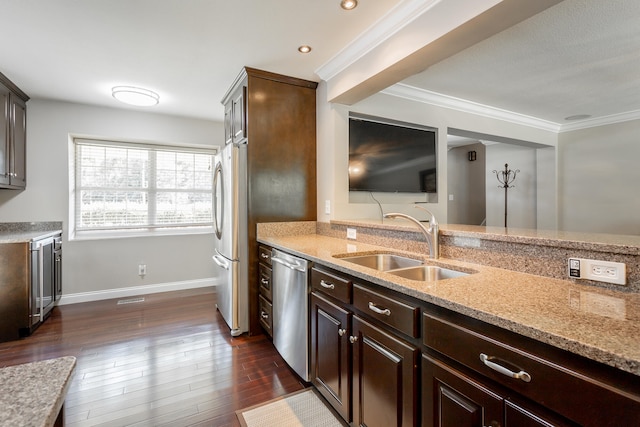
(578, 117)
(304, 49)
(135, 96)
(348, 4)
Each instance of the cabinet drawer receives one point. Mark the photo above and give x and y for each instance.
(265, 309)
(557, 387)
(264, 254)
(332, 285)
(400, 315)
(264, 280)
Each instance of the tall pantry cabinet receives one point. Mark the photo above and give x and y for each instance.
(275, 115)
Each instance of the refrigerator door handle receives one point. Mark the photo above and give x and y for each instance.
(219, 259)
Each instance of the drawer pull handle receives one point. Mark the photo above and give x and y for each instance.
(341, 332)
(522, 375)
(377, 310)
(264, 315)
(264, 281)
(353, 339)
(327, 285)
(264, 256)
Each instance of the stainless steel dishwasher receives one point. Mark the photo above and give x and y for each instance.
(290, 299)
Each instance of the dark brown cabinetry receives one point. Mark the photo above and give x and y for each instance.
(331, 353)
(13, 131)
(385, 382)
(381, 358)
(275, 116)
(534, 384)
(265, 299)
(451, 398)
(365, 372)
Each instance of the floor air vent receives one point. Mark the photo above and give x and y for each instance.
(131, 300)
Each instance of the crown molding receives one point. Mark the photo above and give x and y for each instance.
(412, 93)
(601, 121)
(424, 96)
(383, 29)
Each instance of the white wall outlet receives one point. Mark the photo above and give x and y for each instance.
(351, 233)
(327, 207)
(142, 270)
(602, 271)
(450, 197)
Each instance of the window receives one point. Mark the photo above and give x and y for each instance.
(130, 186)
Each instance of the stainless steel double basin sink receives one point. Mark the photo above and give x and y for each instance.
(402, 266)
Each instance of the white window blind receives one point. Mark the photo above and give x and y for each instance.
(122, 186)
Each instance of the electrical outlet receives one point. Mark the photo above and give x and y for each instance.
(327, 207)
(142, 270)
(602, 271)
(351, 233)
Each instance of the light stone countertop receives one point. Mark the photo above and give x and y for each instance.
(32, 394)
(26, 236)
(600, 324)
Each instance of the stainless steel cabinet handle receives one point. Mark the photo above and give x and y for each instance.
(264, 256)
(522, 375)
(264, 315)
(353, 339)
(327, 285)
(341, 332)
(264, 281)
(375, 309)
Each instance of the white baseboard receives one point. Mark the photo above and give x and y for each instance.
(136, 290)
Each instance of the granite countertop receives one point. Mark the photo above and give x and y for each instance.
(23, 232)
(598, 323)
(33, 393)
(25, 236)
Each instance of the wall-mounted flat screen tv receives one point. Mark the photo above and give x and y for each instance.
(391, 156)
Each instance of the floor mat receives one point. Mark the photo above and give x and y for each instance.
(302, 408)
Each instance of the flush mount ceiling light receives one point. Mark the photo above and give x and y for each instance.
(348, 4)
(304, 49)
(135, 96)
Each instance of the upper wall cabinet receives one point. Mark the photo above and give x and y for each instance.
(13, 135)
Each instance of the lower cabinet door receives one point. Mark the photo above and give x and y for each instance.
(385, 379)
(331, 353)
(452, 399)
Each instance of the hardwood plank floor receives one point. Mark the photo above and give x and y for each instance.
(167, 361)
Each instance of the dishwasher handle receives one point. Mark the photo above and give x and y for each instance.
(290, 265)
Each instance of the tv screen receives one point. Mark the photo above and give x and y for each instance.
(391, 157)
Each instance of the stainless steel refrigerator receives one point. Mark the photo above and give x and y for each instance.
(231, 239)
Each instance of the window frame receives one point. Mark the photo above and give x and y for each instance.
(75, 187)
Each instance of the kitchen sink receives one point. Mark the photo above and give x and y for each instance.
(428, 273)
(383, 262)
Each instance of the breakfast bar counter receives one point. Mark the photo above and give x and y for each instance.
(600, 324)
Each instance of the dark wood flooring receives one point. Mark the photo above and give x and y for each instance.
(167, 361)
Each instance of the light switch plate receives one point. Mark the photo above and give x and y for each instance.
(351, 233)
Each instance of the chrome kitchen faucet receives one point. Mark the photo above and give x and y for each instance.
(430, 234)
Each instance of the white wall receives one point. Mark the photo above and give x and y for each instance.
(466, 201)
(100, 265)
(599, 179)
(521, 199)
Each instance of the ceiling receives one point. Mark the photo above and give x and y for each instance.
(578, 57)
(188, 51)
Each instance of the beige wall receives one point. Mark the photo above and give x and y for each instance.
(95, 268)
(599, 179)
